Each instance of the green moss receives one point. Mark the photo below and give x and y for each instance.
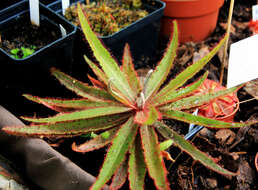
(108, 17)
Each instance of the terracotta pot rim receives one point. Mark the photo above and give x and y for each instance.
(256, 161)
(191, 8)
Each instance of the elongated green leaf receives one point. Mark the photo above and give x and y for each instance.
(120, 176)
(128, 69)
(137, 168)
(165, 144)
(200, 120)
(95, 143)
(175, 94)
(199, 100)
(70, 128)
(84, 114)
(98, 72)
(108, 64)
(63, 105)
(116, 153)
(153, 157)
(82, 89)
(162, 70)
(190, 149)
(190, 71)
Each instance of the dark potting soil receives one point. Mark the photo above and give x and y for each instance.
(22, 34)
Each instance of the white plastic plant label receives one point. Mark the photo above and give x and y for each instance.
(63, 31)
(65, 5)
(243, 61)
(34, 12)
(255, 12)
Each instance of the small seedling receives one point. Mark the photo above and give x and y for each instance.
(23, 52)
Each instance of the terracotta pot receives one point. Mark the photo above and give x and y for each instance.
(256, 161)
(197, 19)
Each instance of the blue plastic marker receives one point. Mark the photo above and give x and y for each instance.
(193, 129)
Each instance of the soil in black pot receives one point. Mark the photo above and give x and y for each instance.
(22, 39)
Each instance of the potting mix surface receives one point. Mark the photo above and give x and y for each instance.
(25, 36)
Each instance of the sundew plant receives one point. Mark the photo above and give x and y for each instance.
(126, 113)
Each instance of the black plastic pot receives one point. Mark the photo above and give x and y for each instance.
(47, 2)
(142, 35)
(7, 3)
(31, 74)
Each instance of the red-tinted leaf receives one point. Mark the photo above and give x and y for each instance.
(96, 83)
(167, 156)
(190, 71)
(199, 100)
(82, 89)
(190, 149)
(120, 176)
(98, 72)
(153, 157)
(162, 70)
(106, 61)
(202, 121)
(78, 115)
(137, 168)
(68, 105)
(173, 95)
(128, 69)
(116, 153)
(95, 143)
(70, 128)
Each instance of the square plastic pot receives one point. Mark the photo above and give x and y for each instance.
(32, 72)
(142, 35)
(47, 2)
(7, 3)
